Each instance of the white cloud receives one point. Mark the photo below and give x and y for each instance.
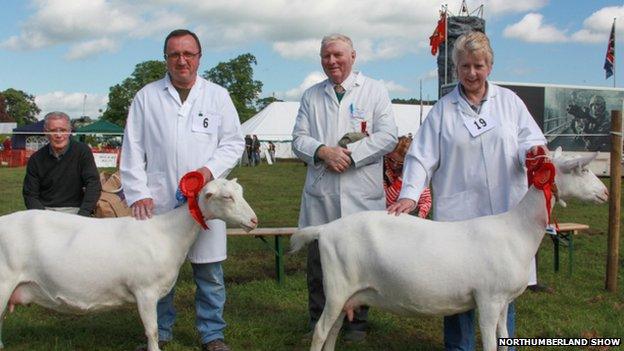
(90, 48)
(380, 30)
(394, 87)
(71, 103)
(531, 29)
(64, 21)
(294, 94)
(596, 28)
(308, 49)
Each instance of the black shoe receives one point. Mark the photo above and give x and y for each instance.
(161, 345)
(215, 345)
(354, 335)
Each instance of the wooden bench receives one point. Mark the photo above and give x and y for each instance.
(565, 235)
(277, 247)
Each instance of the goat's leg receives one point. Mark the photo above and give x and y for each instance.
(490, 311)
(330, 314)
(501, 327)
(5, 294)
(146, 304)
(330, 342)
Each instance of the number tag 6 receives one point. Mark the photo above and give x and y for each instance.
(479, 125)
(206, 123)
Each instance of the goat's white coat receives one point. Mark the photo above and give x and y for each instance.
(76, 264)
(409, 265)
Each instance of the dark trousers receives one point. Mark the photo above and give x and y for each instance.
(316, 294)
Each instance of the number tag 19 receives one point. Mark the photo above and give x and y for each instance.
(479, 125)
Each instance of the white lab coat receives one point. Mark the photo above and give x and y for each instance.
(164, 139)
(322, 120)
(472, 176)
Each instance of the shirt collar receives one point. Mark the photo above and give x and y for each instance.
(348, 83)
(476, 108)
(60, 154)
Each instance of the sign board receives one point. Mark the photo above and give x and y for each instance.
(105, 160)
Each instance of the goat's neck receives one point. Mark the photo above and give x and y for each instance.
(180, 228)
(530, 216)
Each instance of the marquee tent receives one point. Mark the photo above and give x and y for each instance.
(20, 134)
(276, 121)
(101, 127)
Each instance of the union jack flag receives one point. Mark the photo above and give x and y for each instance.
(610, 58)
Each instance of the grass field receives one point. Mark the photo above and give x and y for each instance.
(265, 316)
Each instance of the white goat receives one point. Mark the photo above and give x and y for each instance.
(76, 264)
(408, 265)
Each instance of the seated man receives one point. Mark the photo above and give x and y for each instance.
(61, 176)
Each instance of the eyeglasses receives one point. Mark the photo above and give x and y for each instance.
(176, 55)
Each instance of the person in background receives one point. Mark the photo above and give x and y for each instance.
(62, 175)
(272, 151)
(472, 149)
(393, 179)
(6, 144)
(248, 150)
(255, 150)
(341, 180)
(207, 138)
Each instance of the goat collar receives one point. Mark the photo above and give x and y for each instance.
(541, 175)
(190, 185)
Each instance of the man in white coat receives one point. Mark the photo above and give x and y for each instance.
(341, 180)
(175, 125)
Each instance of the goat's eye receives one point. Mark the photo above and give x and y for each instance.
(227, 197)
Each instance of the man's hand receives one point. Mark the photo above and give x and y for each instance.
(142, 209)
(206, 173)
(534, 151)
(402, 206)
(336, 158)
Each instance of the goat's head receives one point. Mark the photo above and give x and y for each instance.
(575, 180)
(223, 199)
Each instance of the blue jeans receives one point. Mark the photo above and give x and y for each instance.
(459, 329)
(209, 301)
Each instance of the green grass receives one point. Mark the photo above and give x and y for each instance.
(265, 316)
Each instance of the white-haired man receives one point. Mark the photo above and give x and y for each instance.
(341, 180)
(62, 175)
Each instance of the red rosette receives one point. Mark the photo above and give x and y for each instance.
(190, 186)
(191, 183)
(544, 175)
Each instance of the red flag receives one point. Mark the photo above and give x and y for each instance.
(436, 39)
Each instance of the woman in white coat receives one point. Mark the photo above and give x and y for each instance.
(471, 148)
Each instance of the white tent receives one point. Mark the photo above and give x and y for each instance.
(276, 121)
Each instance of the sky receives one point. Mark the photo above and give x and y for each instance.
(68, 53)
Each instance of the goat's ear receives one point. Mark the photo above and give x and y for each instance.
(558, 152)
(562, 203)
(585, 160)
(577, 162)
(235, 180)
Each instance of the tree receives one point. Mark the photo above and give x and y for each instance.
(120, 95)
(413, 101)
(264, 102)
(236, 76)
(20, 106)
